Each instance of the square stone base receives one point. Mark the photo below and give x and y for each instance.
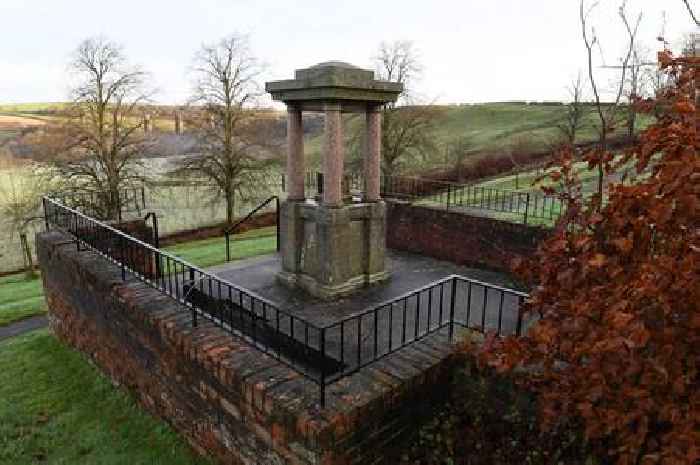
(332, 251)
(328, 292)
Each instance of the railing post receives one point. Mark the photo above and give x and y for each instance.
(194, 310)
(122, 257)
(323, 367)
(75, 225)
(277, 210)
(527, 207)
(284, 187)
(453, 297)
(449, 190)
(228, 251)
(46, 213)
(143, 197)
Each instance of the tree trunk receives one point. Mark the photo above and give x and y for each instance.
(27, 256)
(230, 204)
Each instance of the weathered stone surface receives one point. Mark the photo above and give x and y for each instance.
(330, 252)
(334, 80)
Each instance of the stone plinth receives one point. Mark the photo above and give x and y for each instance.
(330, 252)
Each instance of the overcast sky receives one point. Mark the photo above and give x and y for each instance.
(472, 51)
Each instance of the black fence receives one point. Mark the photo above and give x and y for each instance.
(274, 201)
(322, 354)
(535, 208)
(525, 207)
(100, 204)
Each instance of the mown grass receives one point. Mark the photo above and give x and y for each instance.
(20, 298)
(210, 252)
(55, 409)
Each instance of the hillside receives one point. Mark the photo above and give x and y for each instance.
(490, 128)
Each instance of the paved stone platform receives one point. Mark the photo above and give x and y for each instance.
(396, 324)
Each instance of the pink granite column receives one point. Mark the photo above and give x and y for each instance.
(373, 154)
(333, 157)
(295, 154)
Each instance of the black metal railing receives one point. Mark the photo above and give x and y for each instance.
(289, 339)
(100, 205)
(232, 229)
(528, 207)
(321, 353)
(520, 206)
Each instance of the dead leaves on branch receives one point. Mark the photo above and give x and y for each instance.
(617, 290)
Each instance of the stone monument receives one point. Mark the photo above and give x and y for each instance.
(332, 247)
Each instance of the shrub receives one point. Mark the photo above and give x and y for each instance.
(617, 290)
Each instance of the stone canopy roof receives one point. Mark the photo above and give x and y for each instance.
(334, 82)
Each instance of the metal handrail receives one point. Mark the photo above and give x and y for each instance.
(321, 353)
(231, 229)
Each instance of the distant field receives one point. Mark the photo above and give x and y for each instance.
(489, 127)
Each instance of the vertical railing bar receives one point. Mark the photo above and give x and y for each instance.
(500, 313)
(359, 341)
(469, 301)
(483, 311)
(452, 309)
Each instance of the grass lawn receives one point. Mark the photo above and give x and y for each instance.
(210, 252)
(55, 408)
(20, 298)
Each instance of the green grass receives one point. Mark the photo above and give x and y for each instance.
(210, 252)
(33, 107)
(489, 127)
(20, 298)
(55, 409)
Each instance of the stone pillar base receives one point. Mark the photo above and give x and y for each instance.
(330, 292)
(333, 251)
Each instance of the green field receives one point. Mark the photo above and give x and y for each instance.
(490, 128)
(20, 298)
(210, 252)
(56, 408)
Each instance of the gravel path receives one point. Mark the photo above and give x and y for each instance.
(23, 326)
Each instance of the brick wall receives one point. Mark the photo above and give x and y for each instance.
(459, 238)
(227, 399)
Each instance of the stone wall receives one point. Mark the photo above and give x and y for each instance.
(459, 238)
(229, 400)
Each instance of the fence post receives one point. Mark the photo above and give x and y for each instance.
(449, 189)
(519, 327)
(323, 367)
(143, 197)
(277, 214)
(77, 239)
(194, 310)
(46, 213)
(122, 257)
(284, 187)
(527, 207)
(453, 297)
(228, 251)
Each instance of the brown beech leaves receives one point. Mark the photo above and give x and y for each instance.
(617, 290)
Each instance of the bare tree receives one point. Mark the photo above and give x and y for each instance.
(101, 139)
(607, 114)
(459, 151)
(235, 149)
(576, 111)
(21, 189)
(407, 127)
(691, 12)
